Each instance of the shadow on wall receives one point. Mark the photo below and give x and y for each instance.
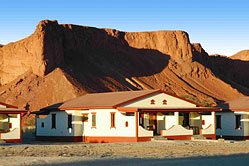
(96, 58)
(233, 72)
(224, 106)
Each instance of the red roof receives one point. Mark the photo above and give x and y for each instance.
(105, 100)
(240, 104)
(11, 110)
(7, 105)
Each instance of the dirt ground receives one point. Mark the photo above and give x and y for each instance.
(41, 153)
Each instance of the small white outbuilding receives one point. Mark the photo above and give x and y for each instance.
(233, 120)
(11, 123)
(128, 116)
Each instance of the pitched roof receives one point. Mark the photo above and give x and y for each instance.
(7, 105)
(52, 107)
(12, 110)
(237, 104)
(99, 100)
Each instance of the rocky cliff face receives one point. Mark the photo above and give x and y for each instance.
(68, 60)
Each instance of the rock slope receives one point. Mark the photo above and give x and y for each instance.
(60, 61)
(242, 55)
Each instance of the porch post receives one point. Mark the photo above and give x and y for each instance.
(214, 117)
(21, 123)
(136, 124)
(176, 118)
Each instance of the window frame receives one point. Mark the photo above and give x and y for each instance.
(238, 124)
(53, 121)
(113, 119)
(220, 122)
(85, 115)
(95, 119)
(42, 124)
(69, 125)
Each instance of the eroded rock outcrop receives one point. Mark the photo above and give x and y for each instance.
(96, 60)
(32, 92)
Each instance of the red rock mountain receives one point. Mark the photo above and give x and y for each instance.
(58, 62)
(242, 55)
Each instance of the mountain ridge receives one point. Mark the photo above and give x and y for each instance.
(88, 59)
(242, 55)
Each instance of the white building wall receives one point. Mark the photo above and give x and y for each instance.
(246, 125)
(172, 102)
(2, 106)
(61, 125)
(77, 125)
(176, 130)
(103, 124)
(171, 120)
(209, 120)
(228, 125)
(15, 130)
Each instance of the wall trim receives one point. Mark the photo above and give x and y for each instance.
(209, 136)
(60, 138)
(233, 137)
(92, 139)
(13, 140)
(179, 137)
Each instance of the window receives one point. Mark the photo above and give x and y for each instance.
(164, 102)
(141, 119)
(126, 124)
(53, 121)
(129, 114)
(112, 119)
(10, 125)
(237, 121)
(84, 117)
(42, 124)
(152, 101)
(93, 120)
(169, 113)
(218, 121)
(69, 121)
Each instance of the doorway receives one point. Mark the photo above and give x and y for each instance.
(153, 122)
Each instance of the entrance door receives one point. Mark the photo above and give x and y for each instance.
(153, 122)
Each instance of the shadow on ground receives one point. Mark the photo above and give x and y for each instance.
(230, 160)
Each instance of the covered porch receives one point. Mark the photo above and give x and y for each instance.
(10, 124)
(178, 124)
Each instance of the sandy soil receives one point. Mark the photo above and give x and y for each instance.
(47, 153)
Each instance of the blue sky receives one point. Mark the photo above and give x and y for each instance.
(221, 26)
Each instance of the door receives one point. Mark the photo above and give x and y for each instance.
(153, 122)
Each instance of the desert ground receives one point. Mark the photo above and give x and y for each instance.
(145, 153)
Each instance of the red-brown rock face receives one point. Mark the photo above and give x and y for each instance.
(110, 60)
(242, 55)
(29, 54)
